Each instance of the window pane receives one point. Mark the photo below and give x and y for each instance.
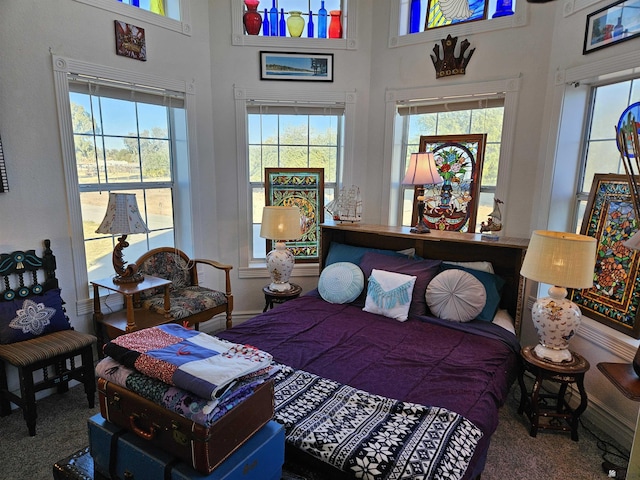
(603, 157)
(324, 157)
(152, 121)
(293, 157)
(610, 102)
(156, 163)
(118, 117)
(121, 157)
(158, 206)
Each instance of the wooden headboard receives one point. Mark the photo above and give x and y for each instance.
(506, 254)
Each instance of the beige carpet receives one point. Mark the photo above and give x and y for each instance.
(62, 429)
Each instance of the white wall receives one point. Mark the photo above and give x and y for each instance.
(35, 208)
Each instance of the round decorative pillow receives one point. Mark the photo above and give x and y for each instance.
(456, 295)
(341, 282)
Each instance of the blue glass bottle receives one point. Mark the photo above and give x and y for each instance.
(414, 16)
(265, 24)
(310, 25)
(273, 19)
(283, 24)
(135, 3)
(322, 21)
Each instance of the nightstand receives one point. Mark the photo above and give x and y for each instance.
(132, 317)
(559, 414)
(272, 297)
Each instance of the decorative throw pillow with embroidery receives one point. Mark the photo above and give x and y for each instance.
(389, 294)
(26, 318)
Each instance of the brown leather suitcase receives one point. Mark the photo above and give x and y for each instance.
(202, 447)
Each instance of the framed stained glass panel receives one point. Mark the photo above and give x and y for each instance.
(441, 13)
(303, 188)
(452, 205)
(610, 218)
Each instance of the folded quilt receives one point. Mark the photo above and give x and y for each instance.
(188, 359)
(203, 411)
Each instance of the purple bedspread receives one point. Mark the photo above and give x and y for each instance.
(422, 360)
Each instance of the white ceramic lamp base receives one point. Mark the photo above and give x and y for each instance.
(556, 320)
(280, 263)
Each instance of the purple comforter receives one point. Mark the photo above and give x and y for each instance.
(466, 368)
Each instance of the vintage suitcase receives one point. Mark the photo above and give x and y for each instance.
(120, 454)
(202, 447)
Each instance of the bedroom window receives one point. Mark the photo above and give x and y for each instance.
(600, 153)
(123, 142)
(478, 116)
(287, 136)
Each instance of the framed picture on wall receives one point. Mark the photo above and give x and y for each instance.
(452, 204)
(307, 67)
(610, 218)
(303, 188)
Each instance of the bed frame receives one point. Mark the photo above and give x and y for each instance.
(506, 254)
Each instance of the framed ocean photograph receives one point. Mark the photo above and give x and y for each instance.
(306, 67)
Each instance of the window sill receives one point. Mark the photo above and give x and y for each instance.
(259, 270)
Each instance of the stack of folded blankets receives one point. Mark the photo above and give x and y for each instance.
(190, 382)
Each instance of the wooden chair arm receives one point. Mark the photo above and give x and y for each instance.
(217, 265)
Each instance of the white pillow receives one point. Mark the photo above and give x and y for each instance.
(482, 266)
(505, 320)
(389, 294)
(341, 282)
(456, 295)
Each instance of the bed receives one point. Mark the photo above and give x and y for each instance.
(456, 368)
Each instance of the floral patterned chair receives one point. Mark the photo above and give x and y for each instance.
(190, 302)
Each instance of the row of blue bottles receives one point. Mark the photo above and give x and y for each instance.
(271, 26)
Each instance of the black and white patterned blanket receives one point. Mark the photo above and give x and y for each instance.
(370, 436)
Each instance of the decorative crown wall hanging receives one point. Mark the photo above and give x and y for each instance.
(450, 64)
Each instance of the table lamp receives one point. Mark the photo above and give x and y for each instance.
(123, 218)
(422, 170)
(563, 260)
(280, 224)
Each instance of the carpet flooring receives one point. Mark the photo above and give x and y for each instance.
(62, 430)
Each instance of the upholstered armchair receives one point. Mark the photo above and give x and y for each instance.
(190, 302)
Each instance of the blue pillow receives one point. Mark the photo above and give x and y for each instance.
(341, 282)
(340, 252)
(27, 318)
(492, 284)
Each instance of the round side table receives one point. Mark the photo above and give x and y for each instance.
(535, 405)
(272, 297)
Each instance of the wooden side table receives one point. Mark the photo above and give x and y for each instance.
(272, 297)
(132, 317)
(534, 404)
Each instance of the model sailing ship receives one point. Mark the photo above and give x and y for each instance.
(347, 206)
(494, 222)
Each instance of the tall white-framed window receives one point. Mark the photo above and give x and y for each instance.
(486, 107)
(291, 137)
(600, 154)
(479, 116)
(122, 134)
(291, 132)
